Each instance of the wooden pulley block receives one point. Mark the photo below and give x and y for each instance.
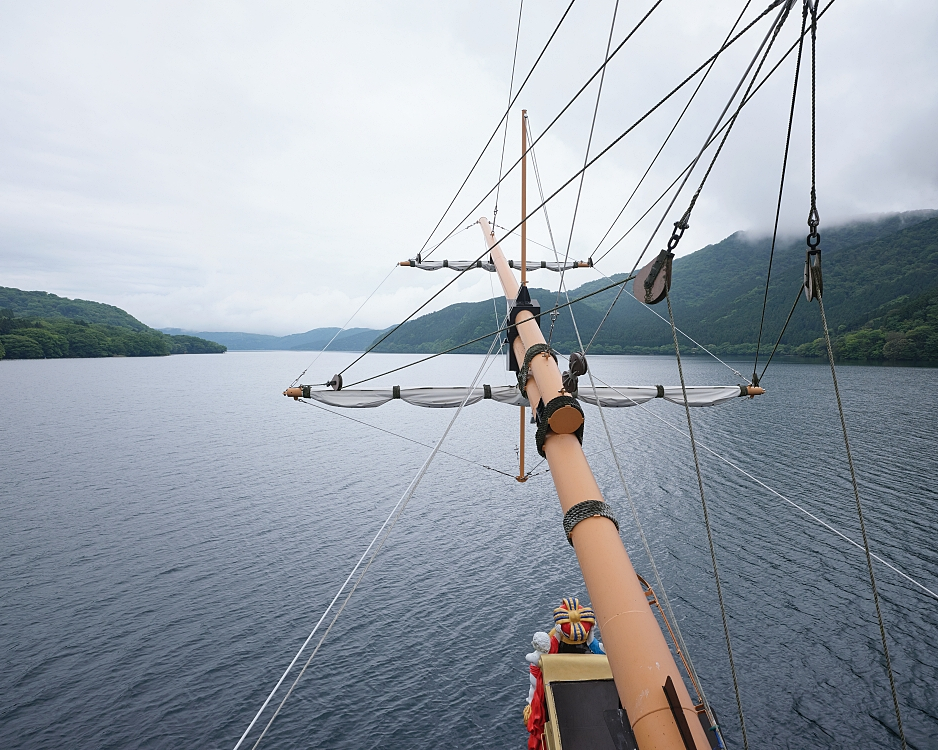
(653, 282)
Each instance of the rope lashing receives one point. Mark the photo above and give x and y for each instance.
(543, 420)
(584, 510)
(524, 372)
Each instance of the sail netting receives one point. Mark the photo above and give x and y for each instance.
(451, 398)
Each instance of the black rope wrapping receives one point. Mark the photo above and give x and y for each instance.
(524, 372)
(543, 420)
(584, 510)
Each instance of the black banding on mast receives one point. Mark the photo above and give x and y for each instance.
(586, 509)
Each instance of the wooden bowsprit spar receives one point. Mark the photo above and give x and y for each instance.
(639, 656)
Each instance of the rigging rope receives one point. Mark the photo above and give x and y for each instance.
(404, 437)
(813, 241)
(781, 189)
(511, 85)
(670, 133)
(681, 226)
(395, 514)
(494, 133)
(345, 325)
(586, 156)
(784, 328)
(572, 178)
(755, 90)
(706, 515)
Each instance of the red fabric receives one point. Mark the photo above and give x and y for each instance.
(538, 704)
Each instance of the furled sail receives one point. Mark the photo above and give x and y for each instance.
(450, 398)
(465, 265)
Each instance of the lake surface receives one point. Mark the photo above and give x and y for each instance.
(172, 528)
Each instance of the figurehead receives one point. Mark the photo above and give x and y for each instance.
(573, 623)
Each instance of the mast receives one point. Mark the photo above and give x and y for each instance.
(638, 654)
(524, 259)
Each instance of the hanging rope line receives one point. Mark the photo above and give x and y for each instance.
(586, 156)
(814, 270)
(345, 325)
(623, 134)
(690, 338)
(404, 437)
(784, 328)
(682, 225)
(388, 524)
(511, 85)
(549, 198)
(706, 516)
(780, 496)
(755, 90)
(504, 328)
(781, 190)
(494, 134)
(668, 137)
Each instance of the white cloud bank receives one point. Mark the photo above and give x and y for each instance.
(260, 167)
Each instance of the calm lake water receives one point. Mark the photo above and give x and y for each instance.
(172, 528)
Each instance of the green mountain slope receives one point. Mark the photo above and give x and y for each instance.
(38, 325)
(717, 294)
(49, 306)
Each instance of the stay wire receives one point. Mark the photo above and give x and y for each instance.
(621, 136)
(494, 133)
(511, 85)
(404, 437)
(781, 189)
(812, 4)
(586, 156)
(690, 338)
(491, 333)
(706, 516)
(661, 197)
(592, 161)
(784, 328)
(683, 223)
(345, 325)
(680, 117)
(866, 542)
(396, 514)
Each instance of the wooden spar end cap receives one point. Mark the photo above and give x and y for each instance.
(754, 390)
(566, 420)
(405, 263)
(293, 393)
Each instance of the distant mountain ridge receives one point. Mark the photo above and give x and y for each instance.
(869, 266)
(39, 325)
(349, 340)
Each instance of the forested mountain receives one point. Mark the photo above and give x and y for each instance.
(880, 294)
(39, 325)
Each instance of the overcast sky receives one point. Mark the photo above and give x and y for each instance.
(262, 166)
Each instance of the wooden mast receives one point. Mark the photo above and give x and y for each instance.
(524, 259)
(638, 654)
